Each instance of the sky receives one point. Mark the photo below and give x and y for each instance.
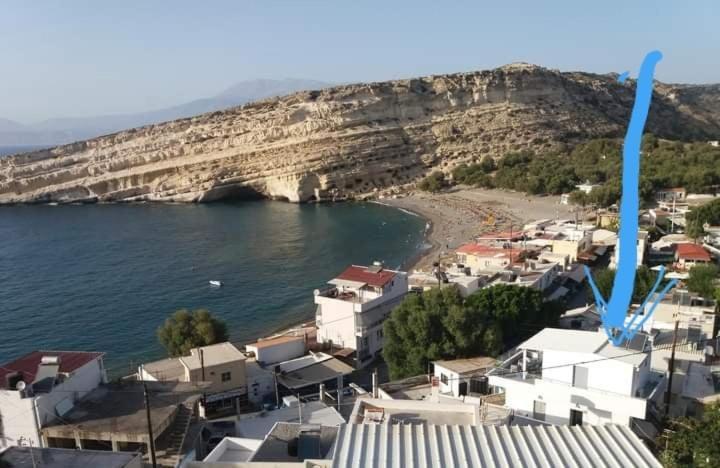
(83, 58)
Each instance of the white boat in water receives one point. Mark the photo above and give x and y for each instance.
(215, 283)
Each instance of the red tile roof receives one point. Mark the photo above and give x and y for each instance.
(480, 250)
(362, 275)
(70, 361)
(692, 252)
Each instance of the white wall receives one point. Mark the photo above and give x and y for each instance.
(259, 382)
(17, 415)
(597, 407)
(337, 322)
(453, 384)
(278, 352)
(609, 375)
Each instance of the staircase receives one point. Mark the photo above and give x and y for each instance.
(172, 441)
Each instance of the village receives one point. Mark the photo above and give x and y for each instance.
(318, 394)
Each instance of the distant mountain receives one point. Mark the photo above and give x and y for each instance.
(65, 130)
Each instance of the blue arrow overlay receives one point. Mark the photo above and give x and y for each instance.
(613, 312)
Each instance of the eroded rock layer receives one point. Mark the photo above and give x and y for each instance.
(349, 140)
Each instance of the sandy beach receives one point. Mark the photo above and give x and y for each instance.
(458, 215)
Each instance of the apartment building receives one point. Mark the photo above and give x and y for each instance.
(577, 377)
(40, 387)
(351, 310)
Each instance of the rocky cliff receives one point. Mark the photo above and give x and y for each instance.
(351, 140)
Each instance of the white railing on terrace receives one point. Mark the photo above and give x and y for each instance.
(647, 390)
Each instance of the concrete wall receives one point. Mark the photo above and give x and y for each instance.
(597, 407)
(453, 384)
(259, 382)
(18, 415)
(214, 374)
(278, 352)
(337, 322)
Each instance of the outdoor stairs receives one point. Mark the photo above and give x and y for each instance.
(169, 455)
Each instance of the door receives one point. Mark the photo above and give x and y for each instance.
(576, 417)
(462, 389)
(539, 410)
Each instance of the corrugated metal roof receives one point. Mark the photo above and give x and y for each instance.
(381, 445)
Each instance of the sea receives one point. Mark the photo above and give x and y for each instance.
(105, 277)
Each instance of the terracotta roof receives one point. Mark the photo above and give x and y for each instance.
(480, 250)
(361, 274)
(70, 361)
(692, 252)
(276, 341)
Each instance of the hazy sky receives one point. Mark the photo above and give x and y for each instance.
(80, 58)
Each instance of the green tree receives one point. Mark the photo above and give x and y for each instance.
(433, 183)
(708, 213)
(185, 330)
(604, 278)
(578, 197)
(693, 442)
(414, 332)
(702, 279)
(439, 324)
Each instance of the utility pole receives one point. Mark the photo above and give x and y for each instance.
(299, 408)
(151, 440)
(202, 371)
(277, 393)
(671, 369)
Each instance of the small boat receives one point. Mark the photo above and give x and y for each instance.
(215, 283)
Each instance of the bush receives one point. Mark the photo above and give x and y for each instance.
(433, 183)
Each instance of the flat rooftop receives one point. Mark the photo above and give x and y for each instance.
(559, 339)
(213, 355)
(381, 411)
(258, 425)
(277, 445)
(469, 365)
(265, 343)
(120, 409)
(165, 369)
(26, 457)
(314, 374)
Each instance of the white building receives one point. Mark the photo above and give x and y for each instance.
(587, 187)
(641, 247)
(462, 377)
(277, 349)
(350, 313)
(576, 377)
(221, 364)
(37, 388)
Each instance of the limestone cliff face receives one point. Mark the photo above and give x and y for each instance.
(345, 141)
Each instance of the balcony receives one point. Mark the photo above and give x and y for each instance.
(512, 369)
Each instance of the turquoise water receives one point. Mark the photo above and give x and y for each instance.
(104, 277)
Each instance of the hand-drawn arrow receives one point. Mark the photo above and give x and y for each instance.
(614, 311)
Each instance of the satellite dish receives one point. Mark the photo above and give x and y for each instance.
(20, 386)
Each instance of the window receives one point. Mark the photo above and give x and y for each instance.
(225, 377)
(365, 342)
(444, 379)
(379, 333)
